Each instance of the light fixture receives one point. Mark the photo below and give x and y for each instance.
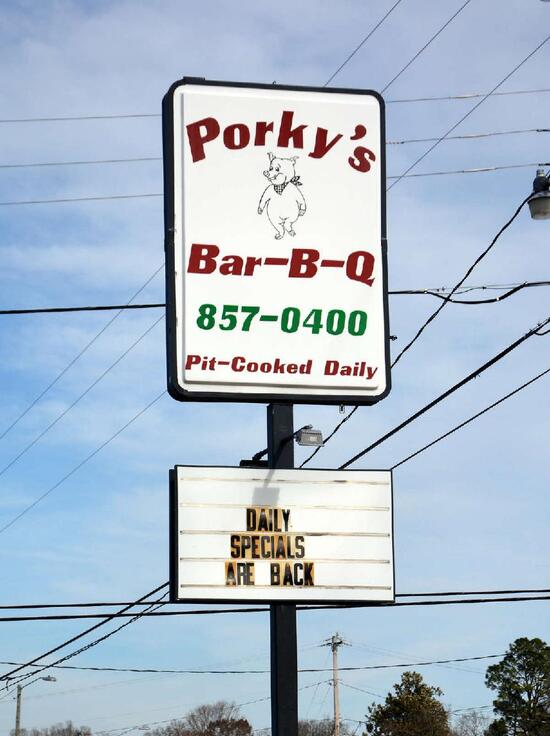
(309, 437)
(305, 436)
(539, 204)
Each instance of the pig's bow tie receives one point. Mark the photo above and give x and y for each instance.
(279, 188)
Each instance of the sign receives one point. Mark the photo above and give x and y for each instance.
(275, 241)
(249, 535)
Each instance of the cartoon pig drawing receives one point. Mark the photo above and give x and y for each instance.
(285, 203)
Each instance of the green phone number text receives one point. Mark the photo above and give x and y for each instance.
(291, 319)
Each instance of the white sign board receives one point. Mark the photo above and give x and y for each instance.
(241, 534)
(275, 242)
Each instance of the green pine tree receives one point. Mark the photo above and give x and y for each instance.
(522, 684)
(412, 709)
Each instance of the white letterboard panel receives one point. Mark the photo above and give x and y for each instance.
(244, 534)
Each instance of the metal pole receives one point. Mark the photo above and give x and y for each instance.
(335, 642)
(284, 658)
(18, 711)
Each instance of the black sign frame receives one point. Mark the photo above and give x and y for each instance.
(174, 389)
(173, 563)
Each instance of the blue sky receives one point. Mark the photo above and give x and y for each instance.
(470, 513)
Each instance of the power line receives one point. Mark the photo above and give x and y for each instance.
(447, 298)
(361, 690)
(418, 657)
(471, 592)
(407, 100)
(423, 664)
(363, 42)
(377, 695)
(323, 703)
(493, 300)
(72, 118)
(93, 162)
(436, 292)
(262, 700)
(148, 611)
(80, 199)
(473, 707)
(469, 287)
(463, 137)
(356, 457)
(327, 439)
(315, 693)
(408, 604)
(428, 43)
(471, 136)
(358, 668)
(474, 374)
(101, 686)
(86, 647)
(348, 417)
(84, 393)
(395, 178)
(471, 419)
(78, 355)
(465, 96)
(430, 319)
(224, 611)
(176, 718)
(83, 616)
(113, 604)
(100, 308)
(83, 462)
(470, 111)
(478, 170)
(462, 280)
(141, 670)
(357, 727)
(125, 729)
(34, 661)
(21, 678)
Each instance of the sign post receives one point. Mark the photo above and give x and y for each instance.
(277, 293)
(284, 656)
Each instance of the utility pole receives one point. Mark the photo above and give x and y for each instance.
(336, 642)
(18, 711)
(48, 678)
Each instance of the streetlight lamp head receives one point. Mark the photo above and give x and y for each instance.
(539, 204)
(49, 678)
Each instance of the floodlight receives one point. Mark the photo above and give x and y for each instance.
(309, 437)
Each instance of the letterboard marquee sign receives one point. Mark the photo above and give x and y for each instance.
(276, 243)
(241, 534)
